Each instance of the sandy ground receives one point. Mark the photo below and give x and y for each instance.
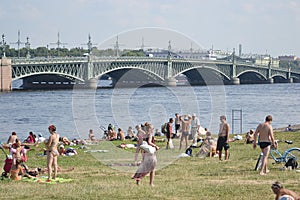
(295, 127)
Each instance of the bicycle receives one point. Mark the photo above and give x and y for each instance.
(289, 153)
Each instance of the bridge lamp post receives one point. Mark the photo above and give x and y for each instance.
(27, 45)
(3, 44)
(47, 51)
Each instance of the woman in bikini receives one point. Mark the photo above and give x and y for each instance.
(52, 151)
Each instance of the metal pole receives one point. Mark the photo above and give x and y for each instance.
(232, 114)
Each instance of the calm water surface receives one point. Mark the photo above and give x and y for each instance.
(74, 112)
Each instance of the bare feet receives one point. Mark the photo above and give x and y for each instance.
(262, 173)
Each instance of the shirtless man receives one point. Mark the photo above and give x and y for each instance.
(186, 128)
(223, 138)
(278, 189)
(266, 139)
(12, 138)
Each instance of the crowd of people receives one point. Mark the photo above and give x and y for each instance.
(187, 128)
(15, 164)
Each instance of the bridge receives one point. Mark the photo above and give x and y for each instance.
(141, 71)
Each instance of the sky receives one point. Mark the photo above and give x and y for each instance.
(269, 26)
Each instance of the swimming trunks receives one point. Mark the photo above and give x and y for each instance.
(222, 143)
(185, 133)
(264, 144)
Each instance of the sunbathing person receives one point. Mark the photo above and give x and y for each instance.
(38, 171)
(92, 135)
(208, 146)
(65, 140)
(249, 137)
(17, 171)
(112, 135)
(281, 192)
(12, 138)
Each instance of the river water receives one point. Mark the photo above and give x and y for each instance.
(75, 111)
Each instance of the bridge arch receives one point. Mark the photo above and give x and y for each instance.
(279, 78)
(148, 72)
(204, 75)
(132, 76)
(252, 71)
(68, 76)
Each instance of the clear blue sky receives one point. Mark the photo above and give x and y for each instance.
(260, 26)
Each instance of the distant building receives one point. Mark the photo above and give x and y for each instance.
(210, 55)
(287, 58)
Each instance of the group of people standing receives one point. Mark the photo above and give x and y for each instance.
(190, 128)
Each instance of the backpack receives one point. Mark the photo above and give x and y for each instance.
(189, 151)
(291, 163)
(164, 128)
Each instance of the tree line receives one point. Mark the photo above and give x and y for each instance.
(65, 52)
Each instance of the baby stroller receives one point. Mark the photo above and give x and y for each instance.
(8, 163)
(105, 131)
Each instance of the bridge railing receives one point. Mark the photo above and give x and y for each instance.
(48, 60)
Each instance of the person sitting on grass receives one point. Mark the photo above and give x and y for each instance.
(17, 172)
(282, 193)
(92, 135)
(12, 138)
(130, 133)
(208, 146)
(249, 137)
(120, 134)
(30, 138)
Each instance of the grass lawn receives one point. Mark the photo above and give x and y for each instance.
(108, 175)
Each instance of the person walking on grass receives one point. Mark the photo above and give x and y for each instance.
(149, 161)
(223, 139)
(264, 132)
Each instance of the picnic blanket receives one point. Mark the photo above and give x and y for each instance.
(44, 180)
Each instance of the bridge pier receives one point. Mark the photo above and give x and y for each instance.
(270, 80)
(170, 82)
(235, 81)
(5, 74)
(91, 83)
(290, 80)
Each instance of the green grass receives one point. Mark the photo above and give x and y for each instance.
(183, 178)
